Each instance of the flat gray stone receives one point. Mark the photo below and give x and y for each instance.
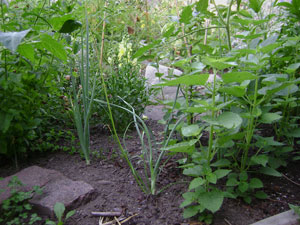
(71, 193)
(285, 218)
(30, 177)
(168, 92)
(56, 188)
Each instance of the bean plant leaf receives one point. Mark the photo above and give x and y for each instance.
(194, 171)
(5, 119)
(186, 146)
(69, 26)
(188, 80)
(191, 211)
(231, 182)
(221, 163)
(237, 91)
(229, 120)
(11, 40)
(58, 22)
(238, 77)
(191, 130)
(256, 183)
(169, 31)
(270, 118)
(144, 49)
(270, 171)
(220, 173)
(53, 46)
(261, 195)
(211, 200)
(256, 5)
(260, 160)
(196, 183)
(27, 51)
(243, 186)
(186, 15)
(202, 5)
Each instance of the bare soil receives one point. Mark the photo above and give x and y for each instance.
(111, 177)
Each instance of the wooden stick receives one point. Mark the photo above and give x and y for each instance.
(106, 213)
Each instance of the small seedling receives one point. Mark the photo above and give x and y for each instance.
(59, 209)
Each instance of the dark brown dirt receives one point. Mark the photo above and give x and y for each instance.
(116, 187)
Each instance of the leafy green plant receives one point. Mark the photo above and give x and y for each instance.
(16, 209)
(59, 210)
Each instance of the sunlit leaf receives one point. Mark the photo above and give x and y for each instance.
(186, 80)
(191, 130)
(238, 77)
(53, 46)
(186, 14)
(211, 200)
(229, 120)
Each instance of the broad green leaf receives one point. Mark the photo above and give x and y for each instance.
(238, 77)
(269, 41)
(57, 22)
(169, 32)
(293, 67)
(294, 133)
(191, 211)
(267, 141)
(270, 171)
(5, 119)
(202, 5)
(237, 91)
(69, 26)
(53, 46)
(217, 63)
(211, 200)
(191, 130)
(255, 183)
(269, 48)
(212, 178)
(220, 173)
(260, 160)
(198, 66)
(256, 5)
(243, 176)
(261, 195)
(229, 120)
(11, 40)
(245, 13)
(144, 49)
(270, 117)
(27, 51)
(221, 163)
(194, 171)
(243, 186)
(186, 15)
(186, 80)
(186, 146)
(288, 90)
(232, 182)
(196, 183)
(59, 209)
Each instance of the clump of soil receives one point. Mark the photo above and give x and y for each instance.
(116, 187)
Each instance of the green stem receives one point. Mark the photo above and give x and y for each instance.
(250, 128)
(211, 132)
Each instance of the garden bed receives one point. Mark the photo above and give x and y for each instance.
(116, 187)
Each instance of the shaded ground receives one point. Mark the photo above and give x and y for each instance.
(116, 187)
